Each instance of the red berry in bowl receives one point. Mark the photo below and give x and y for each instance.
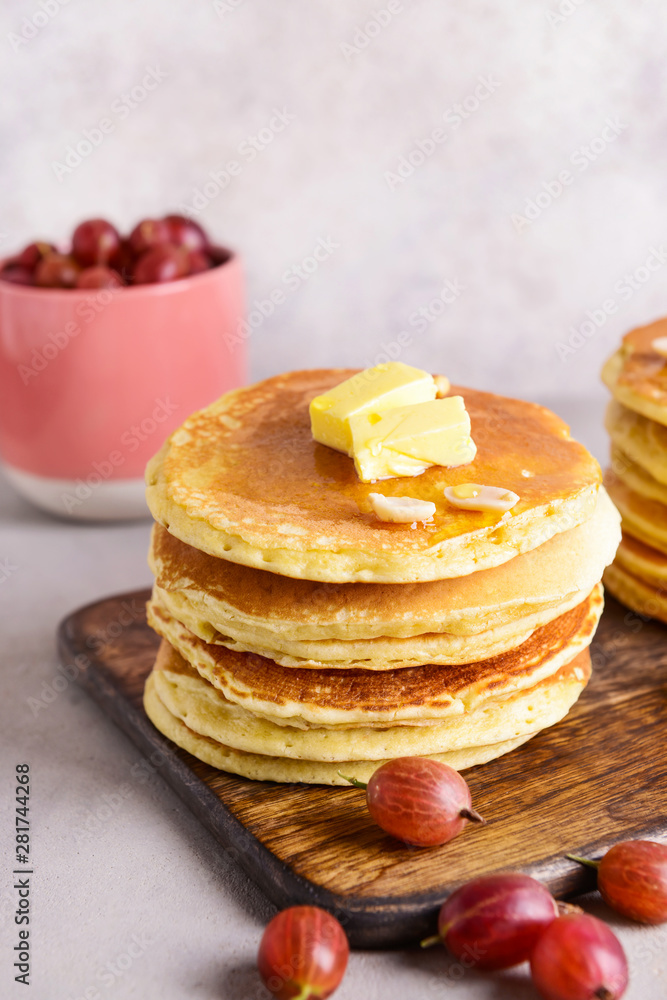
(183, 232)
(303, 954)
(495, 921)
(198, 262)
(162, 263)
(56, 270)
(16, 274)
(32, 254)
(579, 958)
(419, 801)
(99, 277)
(147, 234)
(123, 261)
(94, 241)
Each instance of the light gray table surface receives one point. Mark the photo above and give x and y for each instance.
(131, 897)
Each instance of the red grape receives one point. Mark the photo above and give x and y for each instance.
(579, 958)
(94, 241)
(56, 271)
(420, 801)
(184, 232)
(99, 277)
(495, 921)
(198, 262)
(16, 274)
(303, 953)
(632, 879)
(123, 261)
(147, 234)
(163, 263)
(31, 255)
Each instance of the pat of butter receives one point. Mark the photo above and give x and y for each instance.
(407, 440)
(659, 345)
(377, 389)
(472, 496)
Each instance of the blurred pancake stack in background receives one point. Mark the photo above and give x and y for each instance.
(637, 480)
(303, 636)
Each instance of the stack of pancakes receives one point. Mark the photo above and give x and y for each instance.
(637, 480)
(302, 636)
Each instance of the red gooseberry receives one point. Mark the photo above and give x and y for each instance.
(578, 957)
(303, 954)
(632, 879)
(494, 922)
(418, 800)
(95, 241)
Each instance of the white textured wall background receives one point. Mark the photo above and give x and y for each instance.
(557, 79)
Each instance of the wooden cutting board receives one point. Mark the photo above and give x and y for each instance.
(598, 777)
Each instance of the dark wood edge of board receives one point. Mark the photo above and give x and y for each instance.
(369, 922)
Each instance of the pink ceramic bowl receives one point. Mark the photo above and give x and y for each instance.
(92, 382)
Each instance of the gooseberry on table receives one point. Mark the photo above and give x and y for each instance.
(303, 954)
(632, 879)
(495, 921)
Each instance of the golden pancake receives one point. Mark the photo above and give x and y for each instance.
(206, 711)
(645, 519)
(245, 481)
(637, 594)
(637, 375)
(637, 478)
(382, 626)
(382, 653)
(642, 440)
(642, 561)
(264, 768)
(330, 697)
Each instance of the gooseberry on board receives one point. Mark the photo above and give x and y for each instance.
(418, 800)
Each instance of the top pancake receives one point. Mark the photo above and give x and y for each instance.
(224, 595)
(637, 375)
(244, 480)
